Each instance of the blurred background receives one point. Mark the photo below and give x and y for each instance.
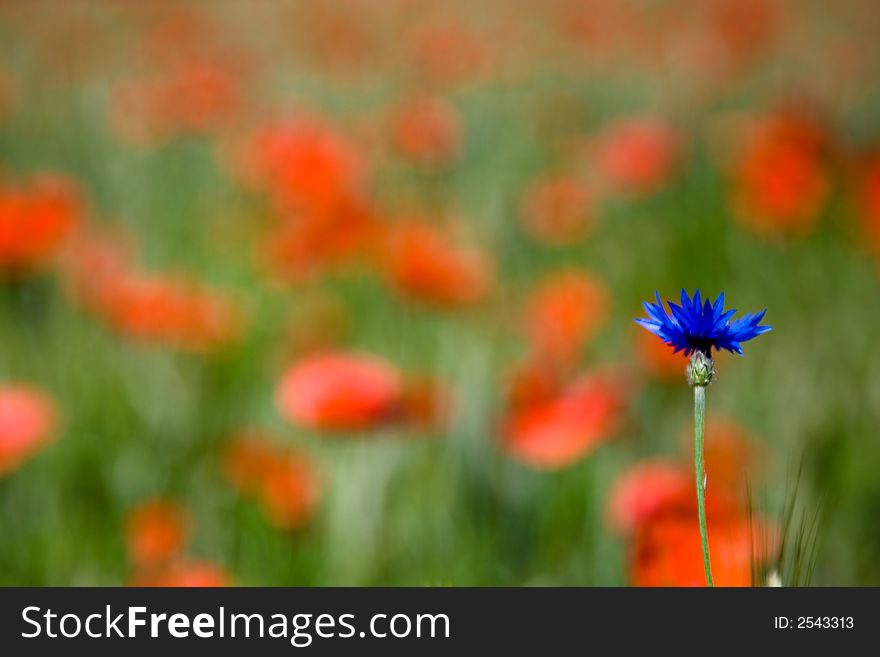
(342, 293)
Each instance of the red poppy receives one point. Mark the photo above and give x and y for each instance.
(647, 490)
(306, 165)
(668, 552)
(195, 96)
(638, 155)
(869, 201)
(781, 181)
(339, 391)
(247, 459)
(557, 210)
(285, 482)
(556, 433)
(289, 490)
(36, 218)
(169, 311)
(156, 532)
(187, 574)
(425, 263)
(306, 245)
(450, 53)
(27, 423)
(426, 131)
(744, 27)
(563, 313)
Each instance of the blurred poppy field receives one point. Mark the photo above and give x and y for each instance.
(342, 293)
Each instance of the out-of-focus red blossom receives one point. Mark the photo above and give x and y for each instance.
(289, 491)
(165, 309)
(646, 490)
(557, 209)
(195, 96)
(668, 552)
(563, 313)
(745, 28)
(178, 33)
(248, 456)
(156, 532)
(869, 201)
(781, 179)
(659, 359)
(655, 503)
(27, 423)
(338, 38)
(304, 246)
(305, 165)
(558, 432)
(339, 391)
(36, 218)
(636, 156)
(449, 53)
(426, 131)
(596, 25)
(424, 262)
(195, 574)
(284, 481)
(170, 311)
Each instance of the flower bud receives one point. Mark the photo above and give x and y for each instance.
(700, 370)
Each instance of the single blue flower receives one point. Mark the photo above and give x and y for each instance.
(697, 326)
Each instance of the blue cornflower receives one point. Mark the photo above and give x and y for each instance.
(697, 326)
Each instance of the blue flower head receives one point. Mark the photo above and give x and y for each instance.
(698, 326)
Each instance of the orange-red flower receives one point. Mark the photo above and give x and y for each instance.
(339, 391)
(306, 165)
(169, 310)
(156, 532)
(186, 574)
(647, 490)
(781, 179)
(285, 481)
(248, 457)
(563, 313)
(637, 155)
(450, 53)
(424, 262)
(27, 423)
(196, 96)
(655, 503)
(869, 201)
(306, 245)
(557, 209)
(668, 552)
(36, 217)
(426, 131)
(558, 432)
(289, 491)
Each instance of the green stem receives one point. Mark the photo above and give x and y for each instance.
(700, 471)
